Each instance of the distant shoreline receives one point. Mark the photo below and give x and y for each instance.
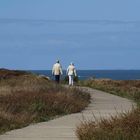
(98, 74)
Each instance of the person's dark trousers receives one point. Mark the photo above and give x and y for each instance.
(57, 78)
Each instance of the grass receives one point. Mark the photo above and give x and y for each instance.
(124, 88)
(26, 98)
(126, 126)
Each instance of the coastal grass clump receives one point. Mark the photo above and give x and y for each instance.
(125, 126)
(29, 98)
(124, 88)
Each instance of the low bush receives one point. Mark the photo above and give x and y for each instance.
(123, 127)
(66, 79)
(29, 99)
(124, 88)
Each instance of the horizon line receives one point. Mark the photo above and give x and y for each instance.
(73, 20)
(91, 70)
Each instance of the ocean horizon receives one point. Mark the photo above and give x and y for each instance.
(98, 74)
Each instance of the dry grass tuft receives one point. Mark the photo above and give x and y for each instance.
(123, 88)
(29, 98)
(123, 127)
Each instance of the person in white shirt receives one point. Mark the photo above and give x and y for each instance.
(57, 71)
(71, 72)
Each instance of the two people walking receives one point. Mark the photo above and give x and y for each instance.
(57, 72)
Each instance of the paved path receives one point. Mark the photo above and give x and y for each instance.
(102, 105)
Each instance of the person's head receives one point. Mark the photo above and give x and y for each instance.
(57, 61)
(72, 63)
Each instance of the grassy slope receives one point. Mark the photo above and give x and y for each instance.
(124, 88)
(26, 98)
(125, 127)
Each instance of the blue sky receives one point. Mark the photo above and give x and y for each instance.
(94, 34)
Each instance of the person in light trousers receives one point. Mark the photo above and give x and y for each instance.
(71, 72)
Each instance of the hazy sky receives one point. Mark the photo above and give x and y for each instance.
(94, 34)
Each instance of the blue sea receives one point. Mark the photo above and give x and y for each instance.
(109, 74)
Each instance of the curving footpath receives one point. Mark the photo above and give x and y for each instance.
(63, 128)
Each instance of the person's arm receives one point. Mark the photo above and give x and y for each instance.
(53, 70)
(61, 72)
(67, 71)
(75, 73)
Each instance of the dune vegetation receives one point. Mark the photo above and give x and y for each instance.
(124, 88)
(125, 126)
(26, 98)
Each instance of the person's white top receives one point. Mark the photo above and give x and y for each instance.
(57, 69)
(71, 70)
